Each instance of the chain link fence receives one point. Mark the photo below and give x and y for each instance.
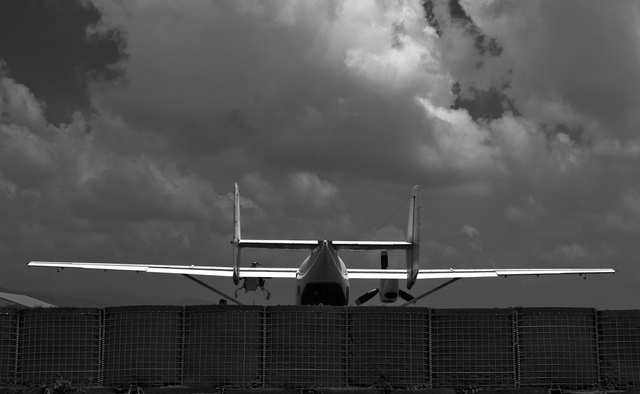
(558, 347)
(8, 337)
(472, 348)
(305, 347)
(56, 343)
(142, 345)
(619, 349)
(228, 346)
(388, 347)
(223, 346)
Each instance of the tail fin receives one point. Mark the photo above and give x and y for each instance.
(413, 236)
(236, 235)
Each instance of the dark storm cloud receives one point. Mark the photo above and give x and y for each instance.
(56, 48)
(326, 114)
(316, 92)
(567, 56)
(65, 192)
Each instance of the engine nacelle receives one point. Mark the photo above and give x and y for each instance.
(389, 290)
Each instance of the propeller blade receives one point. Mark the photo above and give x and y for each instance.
(367, 296)
(404, 295)
(384, 260)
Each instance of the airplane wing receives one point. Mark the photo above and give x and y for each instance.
(290, 273)
(453, 273)
(248, 272)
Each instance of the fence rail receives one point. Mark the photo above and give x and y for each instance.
(305, 347)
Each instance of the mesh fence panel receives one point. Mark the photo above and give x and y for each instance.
(305, 346)
(388, 346)
(143, 345)
(557, 347)
(223, 346)
(472, 348)
(8, 327)
(59, 343)
(619, 340)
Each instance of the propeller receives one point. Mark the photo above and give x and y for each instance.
(404, 295)
(367, 296)
(384, 284)
(384, 260)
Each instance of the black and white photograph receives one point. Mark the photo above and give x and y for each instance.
(343, 166)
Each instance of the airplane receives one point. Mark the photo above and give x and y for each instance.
(323, 278)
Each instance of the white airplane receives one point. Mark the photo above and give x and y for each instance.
(323, 278)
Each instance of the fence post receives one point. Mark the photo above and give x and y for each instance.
(182, 345)
(596, 333)
(347, 322)
(101, 347)
(15, 365)
(429, 349)
(516, 347)
(264, 347)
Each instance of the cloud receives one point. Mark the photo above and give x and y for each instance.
(326, 77)
(18, 106)
(325, 114)
(310, 190)
(57, 65)
(555, 54)
(470, 231)
(24, 159)
(626, 217)
(441, 252)
(458, 143)
(139, 189)
(409, 64)
(614, 148)
(566, 254)
(27, 157)
(66, 188)
(527, 212)
(353, 87)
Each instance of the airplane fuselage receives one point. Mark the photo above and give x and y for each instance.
(322, 278)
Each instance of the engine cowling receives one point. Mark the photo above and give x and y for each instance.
(389, 290)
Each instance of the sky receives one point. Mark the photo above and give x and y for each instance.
(124, 126)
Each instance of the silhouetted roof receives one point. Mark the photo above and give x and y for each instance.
(24, 300)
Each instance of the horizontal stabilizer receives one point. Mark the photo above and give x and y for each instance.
(371, 245)
(310, 244)
(277, 244)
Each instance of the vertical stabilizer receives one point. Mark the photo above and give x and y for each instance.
(413, 236)
(236, 235)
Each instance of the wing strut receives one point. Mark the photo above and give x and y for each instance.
(431, 291)
(201, 283)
